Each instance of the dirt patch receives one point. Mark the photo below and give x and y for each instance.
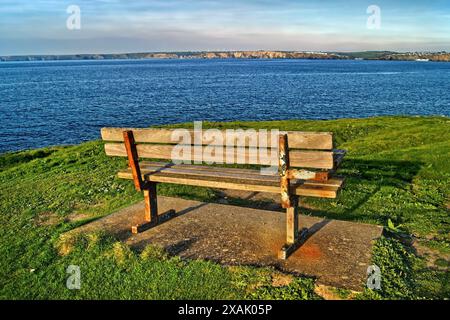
(74, 217)
(434, 258)
(331, 293)
(281, 279)
(326, 292)
(47, 218)
(66, 243)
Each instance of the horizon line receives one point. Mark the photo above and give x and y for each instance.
(224, 51)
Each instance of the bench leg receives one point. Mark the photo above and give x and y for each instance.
(292, 223)
(151, 209)
(151, 203)
(151, 217)
(293, 238)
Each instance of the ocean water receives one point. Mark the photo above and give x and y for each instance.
(66, 102)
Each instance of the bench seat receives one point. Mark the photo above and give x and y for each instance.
(231, 178)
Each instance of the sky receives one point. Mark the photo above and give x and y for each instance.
(118, 26)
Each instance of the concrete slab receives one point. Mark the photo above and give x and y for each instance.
(337, 253)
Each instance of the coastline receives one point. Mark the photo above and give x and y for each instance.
(260, 54)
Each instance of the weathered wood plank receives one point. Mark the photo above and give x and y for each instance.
(227, 172)
(133, 160)
(310, 140)
(326, 189)
(292, 221)
(254, 176)
(151, 203)
(283, 168)
(298, 158)
(297, 139)
(317, 191)
(194, 170)
(217, 183)
(160, 164)
(335, 181)
(147, 135)
(302, 174)
(311, 159)
(210, 177)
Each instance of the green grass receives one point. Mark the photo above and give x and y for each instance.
(397, 169)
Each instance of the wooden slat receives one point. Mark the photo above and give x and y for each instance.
(219, 172)
(219, 183)
(255, 174)
(202, 173)
(334, 182)
(251, 178)
(297, 139)
(329, 192)
(311, 159)
(304, 159)
(310, 140)
(302, 174)
(304, 190)
(148, 135)
(249, 182)
(203, 167)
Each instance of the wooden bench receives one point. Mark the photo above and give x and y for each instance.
(306, 164)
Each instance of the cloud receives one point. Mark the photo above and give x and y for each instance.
(120, 25)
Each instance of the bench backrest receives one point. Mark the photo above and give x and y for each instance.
(306, 149)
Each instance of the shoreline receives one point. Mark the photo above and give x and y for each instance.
(217, 55)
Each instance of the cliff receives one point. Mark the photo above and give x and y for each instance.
(261, 54)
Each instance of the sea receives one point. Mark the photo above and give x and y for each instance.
(46, 103)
